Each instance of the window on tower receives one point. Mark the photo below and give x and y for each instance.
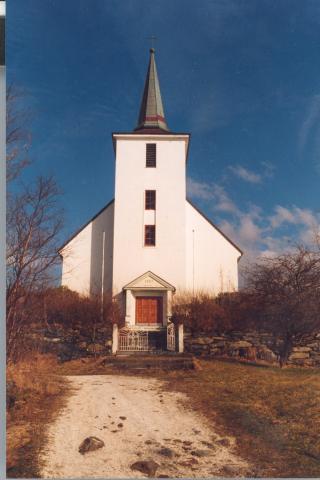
(150, 200)
(149, 235)
(151, 155)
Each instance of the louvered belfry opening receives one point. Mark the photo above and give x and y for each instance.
(151, 155)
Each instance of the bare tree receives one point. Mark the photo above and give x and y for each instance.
(286, 294)
(18, 137)
(34, 220)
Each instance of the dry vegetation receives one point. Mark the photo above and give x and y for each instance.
(37, 391)
(273, 413)
(34, 397)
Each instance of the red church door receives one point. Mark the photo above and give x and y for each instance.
(148, 310)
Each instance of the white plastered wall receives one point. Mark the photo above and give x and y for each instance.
(76, 262)
(212, 261)
(82, 256)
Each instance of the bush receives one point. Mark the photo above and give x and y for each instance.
(205, 313)
(63, 310)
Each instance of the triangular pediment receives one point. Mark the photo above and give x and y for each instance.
(149, 281)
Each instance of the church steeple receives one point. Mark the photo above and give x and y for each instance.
(151, 116)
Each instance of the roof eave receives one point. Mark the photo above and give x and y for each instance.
(215, 226)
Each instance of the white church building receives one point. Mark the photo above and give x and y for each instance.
(150, 242)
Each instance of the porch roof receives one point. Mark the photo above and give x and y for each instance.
(149, 281)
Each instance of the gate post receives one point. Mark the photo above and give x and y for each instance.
(180, 338)
(115, 338)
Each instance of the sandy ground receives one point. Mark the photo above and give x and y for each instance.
(154, 420)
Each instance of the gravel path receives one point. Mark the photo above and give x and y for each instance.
(137, 421)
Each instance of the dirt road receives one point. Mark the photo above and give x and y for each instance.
(137, 421)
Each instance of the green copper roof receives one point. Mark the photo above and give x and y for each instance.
(151, 114)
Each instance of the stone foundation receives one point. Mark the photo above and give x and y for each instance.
(253, 346)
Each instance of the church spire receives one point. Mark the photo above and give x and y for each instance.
(151, 114)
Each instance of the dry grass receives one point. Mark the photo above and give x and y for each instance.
(41, 391)
(38, 396)
(274, 414)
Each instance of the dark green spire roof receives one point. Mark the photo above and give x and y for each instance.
(151, 114)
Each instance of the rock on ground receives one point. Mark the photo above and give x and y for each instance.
(90, 444)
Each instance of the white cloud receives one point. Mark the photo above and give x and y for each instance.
(295, 215)
(250, 176)
(211, 192)
(282, 215)
(253, 231)
(201, 190)
(310, 120)
(245, 174)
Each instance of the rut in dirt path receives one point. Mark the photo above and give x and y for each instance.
(137, 421)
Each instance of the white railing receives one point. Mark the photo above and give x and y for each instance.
(171, 337)
(133, 340)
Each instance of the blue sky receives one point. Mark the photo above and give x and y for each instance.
(241, 76)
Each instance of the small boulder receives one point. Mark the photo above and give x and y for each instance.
(224, 442)
(148, 467)
(200, 453)
(166, 452)
(230, 471)
(90, 444)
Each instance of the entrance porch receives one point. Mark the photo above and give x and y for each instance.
(148, 326)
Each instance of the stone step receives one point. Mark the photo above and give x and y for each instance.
(141, 361)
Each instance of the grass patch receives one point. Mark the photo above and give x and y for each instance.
(38, 392)
(274, 414)
(35, 396)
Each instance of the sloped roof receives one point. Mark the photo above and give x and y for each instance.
(150, 281)
(215, 226)
(85, 225)
(151, 114)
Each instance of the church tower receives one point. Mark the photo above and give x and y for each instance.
(150, 195)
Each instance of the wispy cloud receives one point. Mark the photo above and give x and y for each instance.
(211, 192)
(293, 215)
(256, 232)
(252, 177)
(245, 174)
(310, 121)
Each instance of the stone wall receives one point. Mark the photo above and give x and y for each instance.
(69, 343)
(253, 346)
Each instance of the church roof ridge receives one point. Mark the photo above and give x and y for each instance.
(151, 115)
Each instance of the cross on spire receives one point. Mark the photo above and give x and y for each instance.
(152, 39)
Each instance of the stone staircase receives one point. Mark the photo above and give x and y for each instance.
(142, 361)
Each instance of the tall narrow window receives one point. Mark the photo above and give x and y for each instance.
(150, 200)
(151, 155)
(149, 235)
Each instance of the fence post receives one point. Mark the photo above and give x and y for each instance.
(180, 338)
(115, 338)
